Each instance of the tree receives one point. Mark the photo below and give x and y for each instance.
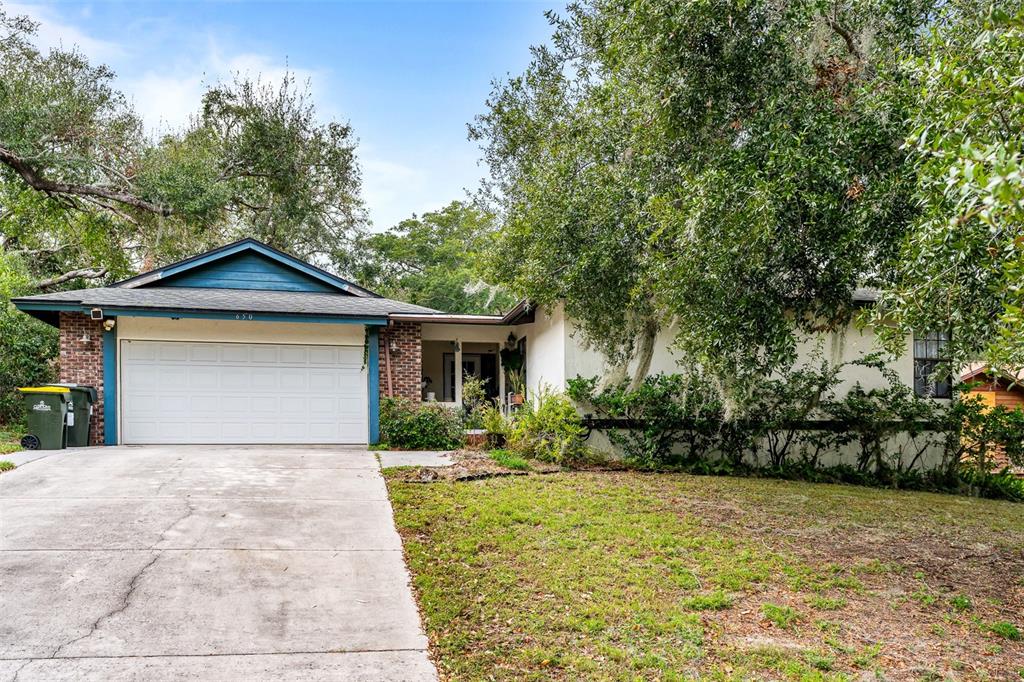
(715, 166)
(962, 265)
(85, 194)
(433, 261)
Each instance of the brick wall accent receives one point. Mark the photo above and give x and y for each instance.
(403, 341)
(81, 362)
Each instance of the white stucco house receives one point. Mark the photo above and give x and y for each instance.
(246, 344)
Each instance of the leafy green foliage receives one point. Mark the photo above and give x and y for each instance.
(423, 426)
(29, 346)
(677, 416)
(548, 428)
(85, 193)
(799, 428)
(6, 465)
(962, 265)
(706, 164)
(433, 261)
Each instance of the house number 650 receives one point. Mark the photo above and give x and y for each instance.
(243, 316)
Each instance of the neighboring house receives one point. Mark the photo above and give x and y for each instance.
(246, 344)
(996, 389)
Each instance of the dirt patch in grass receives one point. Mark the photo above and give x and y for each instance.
(635, 576)
(469, 465)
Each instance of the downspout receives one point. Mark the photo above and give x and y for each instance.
(386, 336)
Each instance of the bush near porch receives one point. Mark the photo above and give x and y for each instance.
(628, 575)
(406, 425)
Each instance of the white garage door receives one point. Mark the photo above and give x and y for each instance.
(177, 392)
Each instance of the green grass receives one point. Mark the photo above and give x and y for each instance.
(627, 576)
(783, 617)
(6, 465)
(708, 602)
(1005, 630)
(10, 441)
(510, 460)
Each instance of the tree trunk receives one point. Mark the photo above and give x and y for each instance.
(644, 354)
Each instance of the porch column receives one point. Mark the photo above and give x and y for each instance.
(458, 371)
(501, 382)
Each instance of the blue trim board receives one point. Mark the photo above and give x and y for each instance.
(110, 386)
(373, 384)
(207, 314)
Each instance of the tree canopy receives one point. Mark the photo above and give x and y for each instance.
(962, 265)
(735, 170)
(85, 193)
(434, 261)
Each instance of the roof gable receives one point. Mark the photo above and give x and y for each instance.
(246, 264)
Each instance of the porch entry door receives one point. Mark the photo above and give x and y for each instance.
(470, 366)
(197, 392)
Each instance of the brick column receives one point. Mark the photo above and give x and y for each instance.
(403, 342)
(81, 361)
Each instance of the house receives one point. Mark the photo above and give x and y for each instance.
(996, 389)
(247, 344)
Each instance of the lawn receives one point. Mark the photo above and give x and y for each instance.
(629, 576)
(10, 441)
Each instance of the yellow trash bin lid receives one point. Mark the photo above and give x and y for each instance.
(44, 389)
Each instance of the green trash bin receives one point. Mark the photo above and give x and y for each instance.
(80, 402)
(46, 408)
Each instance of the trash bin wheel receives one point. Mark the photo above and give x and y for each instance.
(30, 442)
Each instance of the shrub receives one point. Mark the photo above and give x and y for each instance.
(548, 428)
(474, 401)
(423, 426)
(496, 424)
(668, 411)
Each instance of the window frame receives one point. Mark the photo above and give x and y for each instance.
(928, 354)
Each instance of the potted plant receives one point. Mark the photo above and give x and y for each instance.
(517, 383)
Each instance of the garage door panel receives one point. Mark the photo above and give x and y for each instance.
(182, 392)
(172, 378)
(172, 352)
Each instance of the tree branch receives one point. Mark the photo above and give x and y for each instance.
(846, 35)
(83, 273)
(37, 182)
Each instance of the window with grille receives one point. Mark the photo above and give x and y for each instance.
(931, 379)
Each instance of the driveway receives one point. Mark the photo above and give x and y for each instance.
(204, 562)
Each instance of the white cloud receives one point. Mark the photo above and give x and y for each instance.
(167, 98)
(55, 32)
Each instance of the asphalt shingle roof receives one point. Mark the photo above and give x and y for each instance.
(232, 300)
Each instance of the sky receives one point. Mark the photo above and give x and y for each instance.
(408, 76)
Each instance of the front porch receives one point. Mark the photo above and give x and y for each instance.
(451, 353)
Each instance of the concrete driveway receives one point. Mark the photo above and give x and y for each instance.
(204, 562)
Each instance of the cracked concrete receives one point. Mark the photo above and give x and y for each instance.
(193, 562)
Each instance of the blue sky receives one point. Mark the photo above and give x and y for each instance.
(408, 76)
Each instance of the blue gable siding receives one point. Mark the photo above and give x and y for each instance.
(247, 270)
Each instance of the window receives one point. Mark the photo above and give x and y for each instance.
(929, 377)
